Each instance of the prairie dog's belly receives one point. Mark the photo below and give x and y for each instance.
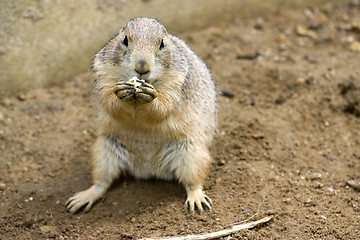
(146, 158)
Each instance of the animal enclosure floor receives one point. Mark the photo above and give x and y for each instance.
(288, 140)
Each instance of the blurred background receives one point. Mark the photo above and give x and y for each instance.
(43, 43)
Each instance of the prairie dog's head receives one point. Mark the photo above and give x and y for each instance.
(140, 49)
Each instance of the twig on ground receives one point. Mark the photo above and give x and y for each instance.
(218, 234)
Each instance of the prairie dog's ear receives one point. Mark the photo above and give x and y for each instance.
(165, 32)
(124, 28)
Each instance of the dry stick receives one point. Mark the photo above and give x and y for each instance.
(216, 234)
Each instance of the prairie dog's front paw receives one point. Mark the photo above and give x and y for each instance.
(125, 91)
(145, 93)
(196, 199)
(85, 198)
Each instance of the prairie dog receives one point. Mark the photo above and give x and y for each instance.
(161, 129)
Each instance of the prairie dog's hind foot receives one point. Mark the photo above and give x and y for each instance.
(85, 198)
(196, 199)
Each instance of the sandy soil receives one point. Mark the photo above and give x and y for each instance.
(288, 140)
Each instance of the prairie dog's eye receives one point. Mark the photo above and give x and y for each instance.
(161, 45)
(125, 41)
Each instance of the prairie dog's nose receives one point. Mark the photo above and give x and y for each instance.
(142, 67)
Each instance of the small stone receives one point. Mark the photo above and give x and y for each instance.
(114, 203)
(270, 212)
(282, 38)
(133, 220)
(282, 47)
(228, 94)
(259, 23)
(323, 217)
(2, 186)
(355, 46)
(47, 229)
(319, 185)
(280, 100)
(252, 102)
(308, 201)
(258, 136)
(300, 80)
(354, 184)
(303, 32)
(222, 162)
(7, 102)
(314, 176)
(2, 145)
(22, 97)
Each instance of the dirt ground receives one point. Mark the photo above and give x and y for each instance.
(288, 140)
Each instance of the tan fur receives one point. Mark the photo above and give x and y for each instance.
(164, 130)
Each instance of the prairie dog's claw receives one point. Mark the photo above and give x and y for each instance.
(198, 200)
(85, 198)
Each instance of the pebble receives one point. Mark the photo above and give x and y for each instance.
(228, 94)
(319, 185)
(354, 184)
(249, 56)
(7, 102)
(300, 80)
(21, 97)
(323, 217)
(47, 229)
(259, 23)
(133, 220)
(303, 32)
(270, 212)
(2, 145)
(308, 201)
(252, 101)
(2, 186)
(314, 176)
(355, 46)
(282, 38)
(222, 162)
(258, 136)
